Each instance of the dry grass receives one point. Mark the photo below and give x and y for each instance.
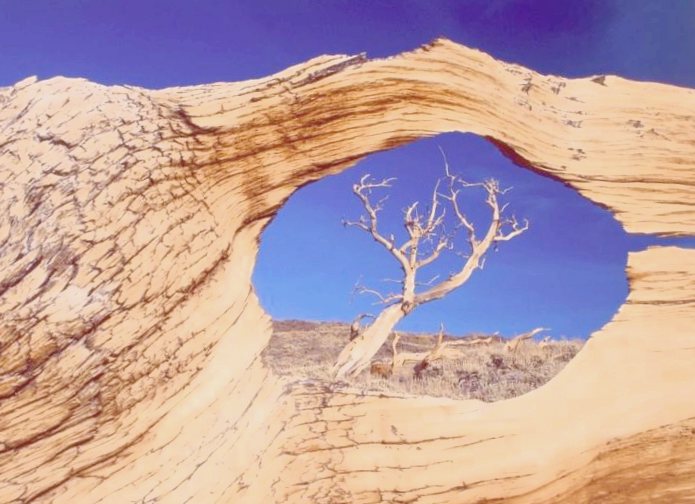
(307, 350)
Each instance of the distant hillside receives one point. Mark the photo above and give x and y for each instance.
(302, 349)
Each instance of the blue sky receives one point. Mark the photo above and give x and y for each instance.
(567, 272)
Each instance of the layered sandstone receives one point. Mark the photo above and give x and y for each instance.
(130, 333)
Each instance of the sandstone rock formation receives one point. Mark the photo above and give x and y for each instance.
(130, 333)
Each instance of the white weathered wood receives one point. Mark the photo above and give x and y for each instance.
(130, 334)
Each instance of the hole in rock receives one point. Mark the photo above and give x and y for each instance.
(566, 274)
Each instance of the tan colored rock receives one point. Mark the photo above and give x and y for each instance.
(130, 334)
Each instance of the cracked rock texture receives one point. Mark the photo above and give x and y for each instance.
(130, 333)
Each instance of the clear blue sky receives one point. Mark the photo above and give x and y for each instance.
(567, 272)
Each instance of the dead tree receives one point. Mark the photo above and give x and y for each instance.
(422, 360)
(546, 343)
(474, 342)
(386, 369)
(425, 242)
(514, 344)
(400, 359)
(438, 352)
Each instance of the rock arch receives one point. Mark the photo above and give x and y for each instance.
(130, 333)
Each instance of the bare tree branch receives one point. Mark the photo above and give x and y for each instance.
(513, 344)
(394, 349)
(478, 247)
(356, 325)
(462, 219)
(453, 198)
(516, 230)
(431, 220)
(428, 283)
(441, 350)
(387, 299)
(442, 245)
(363, 190)
(392, 280)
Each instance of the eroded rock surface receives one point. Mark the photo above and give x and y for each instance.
(130, 334)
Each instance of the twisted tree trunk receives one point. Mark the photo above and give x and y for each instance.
(357, 354)
(130, 333)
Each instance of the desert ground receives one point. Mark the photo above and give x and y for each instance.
(301, 350)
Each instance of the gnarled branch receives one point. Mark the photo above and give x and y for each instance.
(363, 190)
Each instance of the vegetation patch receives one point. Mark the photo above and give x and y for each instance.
(487, 366)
